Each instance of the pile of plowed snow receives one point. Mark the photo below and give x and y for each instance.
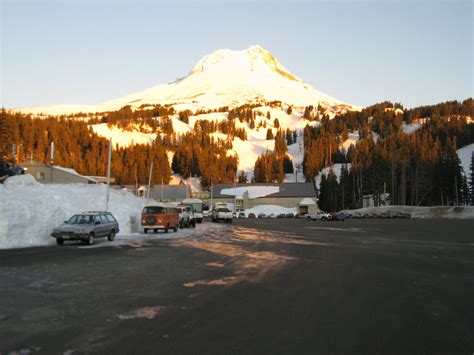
(29, 210)
(269, 209)
(421, 212)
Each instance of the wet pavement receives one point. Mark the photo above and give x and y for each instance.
(257, 286)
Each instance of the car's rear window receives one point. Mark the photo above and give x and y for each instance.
(223, 210)
(154, 210)
(110, 218)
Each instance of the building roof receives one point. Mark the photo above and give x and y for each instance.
(305, 189)
(170, 192)
(68, 171)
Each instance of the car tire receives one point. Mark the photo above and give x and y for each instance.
(230, 221)
(155, 230)
(59, 241)
(193, 224)
(111, 236)
(90, 239)
(166, 228)
(308, 218)
(175, 228)
(145, 230)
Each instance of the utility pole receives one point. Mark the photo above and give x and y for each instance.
(235, 194)
(211, 193)
(149, 181)
(161, 189)
(108, 176)
(51, 162)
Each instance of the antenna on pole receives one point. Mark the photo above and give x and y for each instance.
(149, 181)
(108, 175)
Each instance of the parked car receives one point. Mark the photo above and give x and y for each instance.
(339, 216)
(318, 216)
(86, 227)
(271, 215)
(222, 214)
(251, 215)
(290, 215)
(197, 208)
(280, 215)
(205, 211)
(157, 215)
(262, 215)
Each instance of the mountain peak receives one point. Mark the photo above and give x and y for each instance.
(254, 58)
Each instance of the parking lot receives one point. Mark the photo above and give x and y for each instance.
(256, 286)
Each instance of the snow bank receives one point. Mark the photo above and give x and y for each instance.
(254, 191)
(268, 209)
(422, 212)
(29, 210)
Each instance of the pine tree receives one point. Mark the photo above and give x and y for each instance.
(5, 138)
(276, 123)
(269, 134)
(242, 178)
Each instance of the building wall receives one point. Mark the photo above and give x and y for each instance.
(43, 175)
(287, 202)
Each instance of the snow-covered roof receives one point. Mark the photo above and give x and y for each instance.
(269, 189)
(253, 191)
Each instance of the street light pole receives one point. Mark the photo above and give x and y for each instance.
(108, 176)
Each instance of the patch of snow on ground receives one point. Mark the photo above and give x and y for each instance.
(422, 212)
(193, 182)
(29, 210)
(410, 128)
(465, 154)
(253, 191)
(121, 137)
(352, 139)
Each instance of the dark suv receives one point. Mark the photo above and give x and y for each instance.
(87, 226)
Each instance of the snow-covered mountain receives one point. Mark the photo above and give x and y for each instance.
(223, 78)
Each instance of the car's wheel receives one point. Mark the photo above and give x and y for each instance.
(145, 230)
(230, 220)
(90, 239)
(59, 241)
(308, 218)
(200, 220)
(155, 230)
(166, 228)
(111, 236)
(175, 228)
(193, 224)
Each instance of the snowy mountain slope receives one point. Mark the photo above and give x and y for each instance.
(223, 78)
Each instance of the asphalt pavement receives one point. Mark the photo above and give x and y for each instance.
(254, 287)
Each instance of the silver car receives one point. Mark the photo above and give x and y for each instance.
(86, 227)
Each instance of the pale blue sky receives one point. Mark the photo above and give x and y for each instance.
(361, 52)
